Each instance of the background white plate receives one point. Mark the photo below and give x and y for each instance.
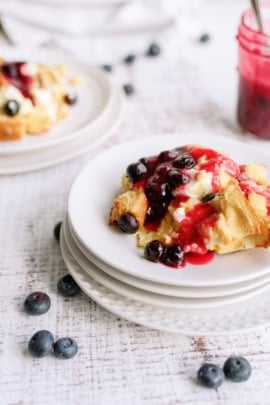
(250, 314)
(94, 97)
(83, 142)
(169, 290)
(151, 298)
(98, 183)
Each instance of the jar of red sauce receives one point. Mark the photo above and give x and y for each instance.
(253, 109)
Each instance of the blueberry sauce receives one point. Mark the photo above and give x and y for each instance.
(15, 74)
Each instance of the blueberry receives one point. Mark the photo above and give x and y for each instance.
(129, 59)
(237, 369)
(184, 162)
(210, 375)
(12, 69)
(37, 303)
(204, 38)
(150, 162)
(208, 197)
(65, 348)
(153, 250)
(57, 230)
(128, 223)
(168, 155)
(156, 211)
(176, 178)
(153, 50)
(157, 191)
(136, 171)
(11, 108)
(67, 286)
(107, 68)
(41, 343)
(128, 89)
(70, 99)
(172, 256)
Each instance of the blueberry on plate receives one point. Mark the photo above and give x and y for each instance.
(204, 38)
(65, 348)
(129, 59)
(136, 171)
(56, 230)
(210, 375)
(172, 256)
(128, 223)
(153, 250)
(41, 343)
(67, 286)
(37, 303)
(237, 369)
(107, 68)
(128, 89)
(11, 108)
(153, 50)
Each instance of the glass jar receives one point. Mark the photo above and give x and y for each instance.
(253, 108)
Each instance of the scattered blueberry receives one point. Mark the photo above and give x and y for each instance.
(237, 369)
(208, 197)
(70, 98)
(172, 256)
(11, 108)
(67, 286)
(129, 59)
(210, 375)
(56, 230)
(128, 223)
(204, 38)
(128, 89)
(65, 348)
(176, 178)
(37, 303)
(168, 155)
(136, 171)
(153, 250)
(41, 343)
(157, 191)
(153, 50)
(184, 162)
(107, 68)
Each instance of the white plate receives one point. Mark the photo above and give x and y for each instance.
(77, 250)
(40, 159)
(94, 98)
(234, 318)
(98, 183)
(151, 298)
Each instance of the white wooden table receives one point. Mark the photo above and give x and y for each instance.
(190, 88)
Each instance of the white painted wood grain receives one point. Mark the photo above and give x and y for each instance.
(189, 88)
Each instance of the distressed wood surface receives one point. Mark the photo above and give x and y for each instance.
(190, 88)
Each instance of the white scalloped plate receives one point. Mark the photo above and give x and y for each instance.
(166, 301)
(79, 252)
(233, 318)
(94, 98)
(98, 183)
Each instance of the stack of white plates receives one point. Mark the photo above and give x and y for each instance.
(229, 294)
(93, 118)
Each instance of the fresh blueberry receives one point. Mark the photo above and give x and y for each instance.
(208, 197)
(156, 211)
(184, 162)
(168, 155)
(129, 59)
(153, 50)
(56, 230)
(11, 108)
(128, 223)
(237, 369)
(41, 343)
(65, 348)
(204, 38)
(153, 250)
(210, 375)
(67, 286)
(70, 98)
(107, 68)
(136, 171)
(13, 69)
(172, 256)
(128, 89)
(157, 191)
(37, 303)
